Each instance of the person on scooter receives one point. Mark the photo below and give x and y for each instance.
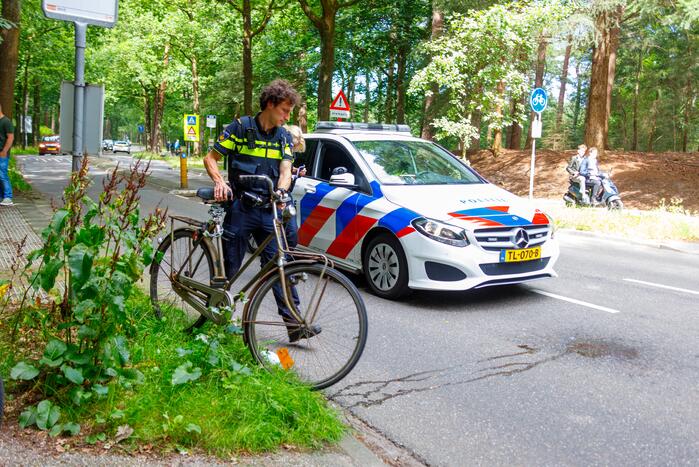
(589, 168)
(575, 176)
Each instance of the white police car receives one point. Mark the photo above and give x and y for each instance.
(410, 215)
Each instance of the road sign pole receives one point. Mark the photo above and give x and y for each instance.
(79, 98)
(533, 163)
(183, 168)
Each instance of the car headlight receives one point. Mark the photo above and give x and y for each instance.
(441, 232)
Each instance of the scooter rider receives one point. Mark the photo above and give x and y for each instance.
(573, 170)
(589, 168)
(257, 146)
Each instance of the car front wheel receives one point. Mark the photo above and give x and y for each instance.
(385, 267)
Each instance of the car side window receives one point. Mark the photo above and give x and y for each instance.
(307, 157)
(333, 156)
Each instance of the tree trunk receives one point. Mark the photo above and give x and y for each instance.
(327, 66)
(367, 97)
(497, 131)
(36, 119)
(578, 97)
(653, 122)
(195, 103)
(602, 79)
(564, 82)
(475, 143)
(515, 137)
(636, 91)
(158, 106)
(25, 103)
(689, 105)
(430, 99)
(352, 91)
(400, 84)
(390, 84)
(9, 55)
(538, 82)
(148, 117)
(247, 58)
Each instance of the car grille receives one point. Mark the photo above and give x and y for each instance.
(500, 269)
(501, 238)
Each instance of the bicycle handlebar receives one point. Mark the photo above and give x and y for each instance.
(264, 178)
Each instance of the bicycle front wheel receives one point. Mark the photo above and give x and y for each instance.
(185, 254)
(329, 345)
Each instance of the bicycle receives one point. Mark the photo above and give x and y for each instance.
(324, 332)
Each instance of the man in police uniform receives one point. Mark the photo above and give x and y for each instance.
(256, 146)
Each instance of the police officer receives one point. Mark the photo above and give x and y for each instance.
(257, 145)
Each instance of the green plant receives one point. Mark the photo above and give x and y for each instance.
(92, 256)
(16, 180)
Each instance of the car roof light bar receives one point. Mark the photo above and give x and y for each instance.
(360, 126)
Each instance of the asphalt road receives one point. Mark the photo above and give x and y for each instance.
(597, 366)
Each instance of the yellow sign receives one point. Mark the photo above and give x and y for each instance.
(191, 127)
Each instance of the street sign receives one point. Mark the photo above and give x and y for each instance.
(191, 127)
(27, 128)
(141, 129)
(340, 107)
(211, 121)
(98, 12)
(538, 100)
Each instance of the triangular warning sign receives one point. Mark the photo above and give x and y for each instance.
(340, 102)
(191, 131)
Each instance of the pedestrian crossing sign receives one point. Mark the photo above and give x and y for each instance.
(191, 127)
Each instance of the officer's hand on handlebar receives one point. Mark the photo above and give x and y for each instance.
(222, 191)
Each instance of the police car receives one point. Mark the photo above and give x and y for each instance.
(410, 215)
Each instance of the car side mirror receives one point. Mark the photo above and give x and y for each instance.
(345, 179)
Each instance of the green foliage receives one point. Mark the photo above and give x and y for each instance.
(92, 256)
(16, 179)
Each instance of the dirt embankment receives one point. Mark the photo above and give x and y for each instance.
(642, 178)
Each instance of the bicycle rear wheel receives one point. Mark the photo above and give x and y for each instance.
(319, 359)
(180, 253)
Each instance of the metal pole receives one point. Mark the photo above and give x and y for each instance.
(531, 169)
(79, 101)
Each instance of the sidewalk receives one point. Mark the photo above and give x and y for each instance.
(25, 220)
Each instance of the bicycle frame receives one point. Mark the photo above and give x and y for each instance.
(217, 293)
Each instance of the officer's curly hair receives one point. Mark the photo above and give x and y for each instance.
(278, 91)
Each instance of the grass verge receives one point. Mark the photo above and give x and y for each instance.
(663, 223)
(16, 179)
(234, 406)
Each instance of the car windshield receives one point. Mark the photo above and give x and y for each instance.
(51, 139)
(414, 163)
(121, 142)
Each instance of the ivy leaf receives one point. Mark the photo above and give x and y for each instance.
(54, 349)
(56, 430)
(47, 414)
(86, 332)
(27, 417)
(51, 363)
(73, 375)
(83, 308)
(193, 428)
(73, 429)
(183, 375)
(100, 390)
(24, 371)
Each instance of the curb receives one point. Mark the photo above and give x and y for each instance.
(674, 245)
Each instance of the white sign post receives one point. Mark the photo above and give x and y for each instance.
(537, 100)
(81, 12)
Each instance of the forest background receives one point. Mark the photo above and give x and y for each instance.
(620, 74)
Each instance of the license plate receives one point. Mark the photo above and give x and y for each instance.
(526, 254)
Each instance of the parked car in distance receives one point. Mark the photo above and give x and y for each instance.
(50, 145)
(411, 215)
(107, 144)
(121, 146)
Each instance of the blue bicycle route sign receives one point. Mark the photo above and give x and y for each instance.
(538, 100)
